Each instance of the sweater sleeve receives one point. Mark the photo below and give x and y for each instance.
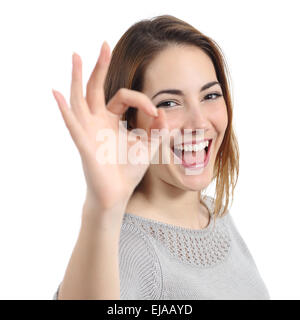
(140, 270)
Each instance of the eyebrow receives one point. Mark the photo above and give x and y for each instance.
(180, 93)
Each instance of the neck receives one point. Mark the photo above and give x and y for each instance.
(167, 203)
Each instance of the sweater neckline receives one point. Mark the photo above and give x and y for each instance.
(130, 216)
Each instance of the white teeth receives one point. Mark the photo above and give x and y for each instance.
(193, 147)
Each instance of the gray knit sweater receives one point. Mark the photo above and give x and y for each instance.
(159, 261)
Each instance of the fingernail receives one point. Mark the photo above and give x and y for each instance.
(155, 112)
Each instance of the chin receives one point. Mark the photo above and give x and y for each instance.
(195, 184)
(196, 181)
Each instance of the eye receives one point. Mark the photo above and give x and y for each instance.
(164, 104)
(214, 96)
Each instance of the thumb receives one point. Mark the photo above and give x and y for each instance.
(159, 135)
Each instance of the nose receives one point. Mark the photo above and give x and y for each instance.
(196, 117)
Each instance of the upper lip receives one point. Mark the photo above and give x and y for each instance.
(194, 141)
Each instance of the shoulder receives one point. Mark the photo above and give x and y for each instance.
(211, 203)
(227, 223)
(133, 236)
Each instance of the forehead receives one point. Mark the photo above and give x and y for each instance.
(180, 67)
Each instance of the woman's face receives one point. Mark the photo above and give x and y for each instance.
(188, 69)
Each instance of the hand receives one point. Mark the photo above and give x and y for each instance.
(108, 185)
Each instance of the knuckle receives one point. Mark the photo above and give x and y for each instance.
(122, 93)
(73, 102)
(93, 86)
(89, 85)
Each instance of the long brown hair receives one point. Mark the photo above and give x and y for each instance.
(138, 46)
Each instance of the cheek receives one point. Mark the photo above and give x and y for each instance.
(174, 119)
(224, 118)
(220, 118)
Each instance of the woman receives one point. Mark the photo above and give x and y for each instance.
(147, 231)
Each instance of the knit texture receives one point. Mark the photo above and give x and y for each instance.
(159, 261)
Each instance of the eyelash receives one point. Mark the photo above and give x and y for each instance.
(218, 95)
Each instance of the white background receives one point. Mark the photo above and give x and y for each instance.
(42, 186)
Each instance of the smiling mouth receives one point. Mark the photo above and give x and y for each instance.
(191, 155)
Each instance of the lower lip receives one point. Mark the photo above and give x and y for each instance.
(199, 165)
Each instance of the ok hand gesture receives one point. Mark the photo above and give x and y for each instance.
(108, 185)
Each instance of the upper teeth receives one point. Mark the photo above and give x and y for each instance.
(192, 147)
